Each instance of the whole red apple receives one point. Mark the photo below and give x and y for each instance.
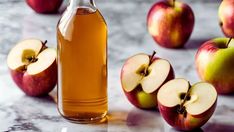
(215, 62)
(141, 77)
(45, 6)
(170, 23)
(186, 107)
(33, 67)
(226, 16)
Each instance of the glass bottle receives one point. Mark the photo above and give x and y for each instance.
(82, 63)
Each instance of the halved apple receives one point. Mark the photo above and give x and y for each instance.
(186, 107)
(141, 77)
(33, 67)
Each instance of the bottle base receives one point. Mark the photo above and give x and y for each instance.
(85, 119)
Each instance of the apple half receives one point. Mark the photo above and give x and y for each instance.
(33, 67)
(186, 107)
(141, 77)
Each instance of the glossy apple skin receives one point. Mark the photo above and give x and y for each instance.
(36, 85)
(149, 101)
(190, 122)
(170, 26)
(226, 17)
(214, 64)
(45, 6)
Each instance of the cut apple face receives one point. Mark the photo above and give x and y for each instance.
(142, 70)
(131, 74)
(176, 89)
(203, 96)
(44, 60)
(194, 100)
(32, 56)
(24, 52)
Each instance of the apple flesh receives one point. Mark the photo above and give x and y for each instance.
(186, 107)
(215, 62)
(45, 6)
(141, 77)
(226, 17)
(170, 23)
(33, 67)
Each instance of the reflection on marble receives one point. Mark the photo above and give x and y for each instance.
(127, 36)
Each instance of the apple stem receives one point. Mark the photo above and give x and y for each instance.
(182, 104)
(220, 24)
(33, 59)
(43, 46)
(186, 97)
(230, 39)
(151, 57)
(44, 43)
(145, 73)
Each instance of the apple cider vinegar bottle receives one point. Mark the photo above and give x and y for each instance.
(82, 63)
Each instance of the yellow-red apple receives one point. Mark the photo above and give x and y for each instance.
(215, 61)
(45, 6)
(170, 23)
(226, 17)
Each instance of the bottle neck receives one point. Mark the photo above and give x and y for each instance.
(82, 3)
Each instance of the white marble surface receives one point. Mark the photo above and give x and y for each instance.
(127, 36)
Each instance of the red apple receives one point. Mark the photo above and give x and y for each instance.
(33, 67)
(141, 77)
(226, 17)
(186, 107)
(45, 6)
(170, 23)
(215, 62)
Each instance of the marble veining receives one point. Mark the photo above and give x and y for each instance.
(127, 36)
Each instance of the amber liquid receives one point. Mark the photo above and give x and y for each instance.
(82, 65)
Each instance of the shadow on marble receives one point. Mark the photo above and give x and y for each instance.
(196, 130)
(134, 117)
(195, 43)
(211, 127)
(124, 120)
(218, 127)
(137, 117)
(140, 120)
(53, 94)
(227, 95)
(74, 127)
(46, 98)
(133, 120)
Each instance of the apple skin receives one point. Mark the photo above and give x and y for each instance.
(190, 122)
(45, 6)
(36, 85)
(148, 101)
(141, 99)
(170, 26)
(226, 17)
(214, 64)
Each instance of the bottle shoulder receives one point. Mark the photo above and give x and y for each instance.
(80, 21)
